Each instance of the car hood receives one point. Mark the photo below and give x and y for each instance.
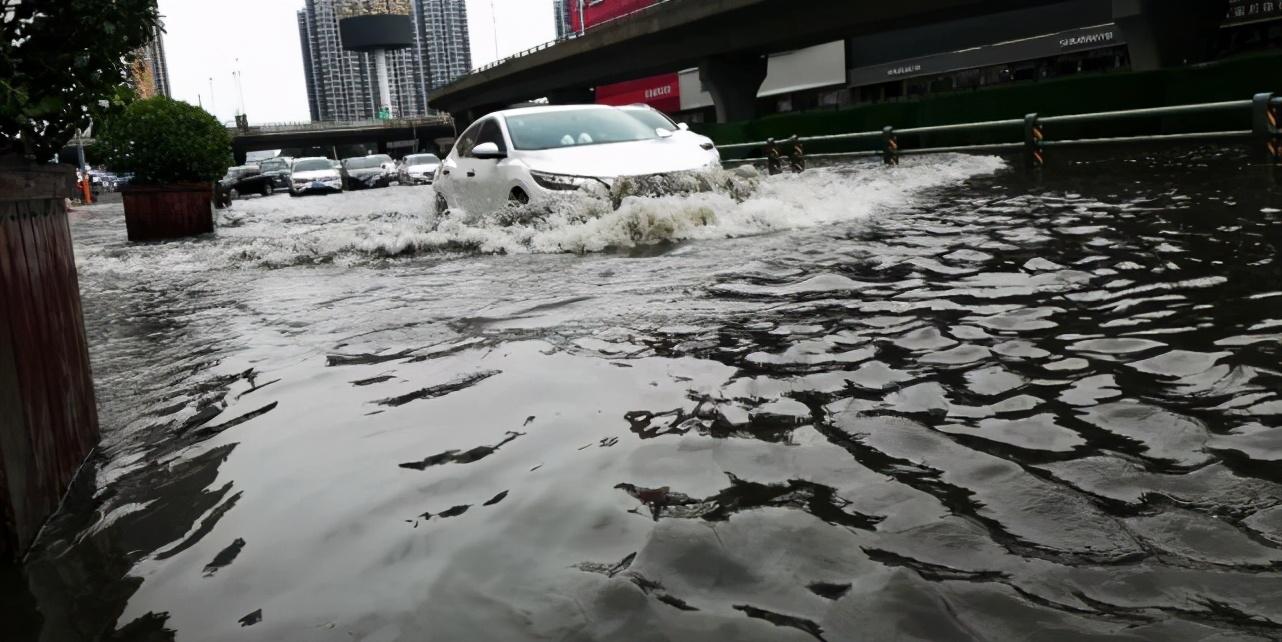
(637, 158)
(316, 175)
(422, 168)
(368, 171)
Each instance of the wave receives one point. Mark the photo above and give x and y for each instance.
(356, 227)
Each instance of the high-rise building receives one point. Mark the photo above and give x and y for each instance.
(564, 17)
(444, 41)
(304, 37)
(342, 85)
(150, 70)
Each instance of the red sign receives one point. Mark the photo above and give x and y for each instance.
(596, 12)
(662, 92)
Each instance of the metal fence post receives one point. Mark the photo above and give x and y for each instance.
(797, 155)
(890, 149)
(1264, 117)
(774, 160)
(1034, 139)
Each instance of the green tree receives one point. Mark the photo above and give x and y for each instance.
(63, 66)
(164, 141)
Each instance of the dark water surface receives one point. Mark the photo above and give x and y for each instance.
(939, 402)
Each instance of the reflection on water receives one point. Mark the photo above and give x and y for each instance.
(942, 401)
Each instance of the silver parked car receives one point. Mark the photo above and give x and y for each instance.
(418, 169)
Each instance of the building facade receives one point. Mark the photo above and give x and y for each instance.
(150, 70)
(444, 43)
(1022, 45)
(562, 15)
(342, 85)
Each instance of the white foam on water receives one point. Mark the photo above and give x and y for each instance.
(355, 227)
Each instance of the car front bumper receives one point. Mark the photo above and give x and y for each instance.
(334, 185)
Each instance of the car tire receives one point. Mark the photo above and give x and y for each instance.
(442, 205)
(267, 190)
(518, 197)
(294, 194)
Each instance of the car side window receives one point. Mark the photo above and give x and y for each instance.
(492, 133)
(468, 140)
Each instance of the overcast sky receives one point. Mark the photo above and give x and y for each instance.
(204, 40)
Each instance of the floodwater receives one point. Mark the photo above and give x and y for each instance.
(944, 401)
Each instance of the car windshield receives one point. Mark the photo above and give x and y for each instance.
(574, 127)
(313, 165)
(422, 159)
(381, 158)
(652, 119)
(273, 165)
(368, 162)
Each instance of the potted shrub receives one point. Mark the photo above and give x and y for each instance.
(176, 151)
(63, 65)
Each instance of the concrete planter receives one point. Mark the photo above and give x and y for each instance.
(48, 415)
(154, 213)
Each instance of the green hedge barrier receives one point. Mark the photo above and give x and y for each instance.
(1233, 79)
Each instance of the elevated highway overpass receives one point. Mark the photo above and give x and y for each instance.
(728, 40)
(426, 130)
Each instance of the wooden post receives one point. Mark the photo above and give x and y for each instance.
(48, 415)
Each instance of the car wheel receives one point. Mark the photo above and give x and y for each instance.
(267, 190)
(442, 206)
(294, 194)
(518, 197)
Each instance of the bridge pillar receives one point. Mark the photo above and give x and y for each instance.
(464, 119)
(241, 155)
(382, 146)
(734, 80)
(572, 97)
(1169, 33)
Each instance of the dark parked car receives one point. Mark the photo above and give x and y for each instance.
(278, 169)
(364, 171)
(239, 181)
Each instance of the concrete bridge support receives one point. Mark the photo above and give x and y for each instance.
(733, 81)
(1169, 33)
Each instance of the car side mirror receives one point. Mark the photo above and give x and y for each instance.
(683, 127)
(488, 151)
(663, 133)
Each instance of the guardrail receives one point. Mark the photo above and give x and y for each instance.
(573, 35)
(328, 125)
(1265, 110)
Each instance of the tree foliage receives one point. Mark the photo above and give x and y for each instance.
(164, 141)
(64, 65)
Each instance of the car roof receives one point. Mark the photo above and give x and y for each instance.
(521, 111)
(320, 158)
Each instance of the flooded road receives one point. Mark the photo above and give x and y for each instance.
(943, 401)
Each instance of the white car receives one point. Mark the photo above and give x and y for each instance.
(418, 168)
(530, 154)
(314, 175)
(659, 120)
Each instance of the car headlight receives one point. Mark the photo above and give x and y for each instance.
(565, 182)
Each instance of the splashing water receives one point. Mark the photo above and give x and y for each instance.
(356, 227)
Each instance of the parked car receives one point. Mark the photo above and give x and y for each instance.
(360, 172)
(530, 154)
(278, 169)
(315, 174)
(239, 181)
(418, 169)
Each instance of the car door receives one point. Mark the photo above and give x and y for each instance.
(490, 190)
(455, 183)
